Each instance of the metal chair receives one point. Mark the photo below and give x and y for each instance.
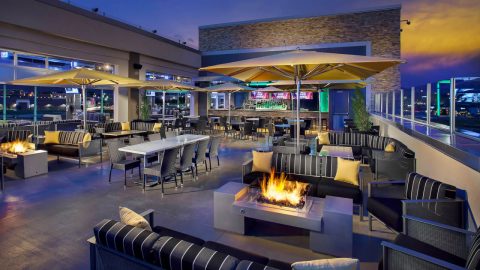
(214, 144)
(119, 160)
(138, 140)
(165, 167)
(200, 155)
(186, 164)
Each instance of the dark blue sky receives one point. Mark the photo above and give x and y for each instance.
(442, 41)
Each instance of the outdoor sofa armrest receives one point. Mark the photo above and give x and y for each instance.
(393, 255)
(393, 166)
(445, 237)
(447, 211)
(148, 215)
(92, 148)
(247, 167)
(387, 189)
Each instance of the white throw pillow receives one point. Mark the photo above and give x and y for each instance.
(327, 264)
(130, 217)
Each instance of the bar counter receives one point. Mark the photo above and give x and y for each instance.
(274, 114)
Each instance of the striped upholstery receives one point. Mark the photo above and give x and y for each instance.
(249, 265)
(126, 239)
(143, 126)
(419, 187)
(171, 254)
(71, 137)
(377, 142)
(473, 258)
(328, 166)
(22, 135)
(111, 127)
(303, 165)
(345, 138)
(279, 161)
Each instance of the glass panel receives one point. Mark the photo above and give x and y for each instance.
(420, 103)
(440, 104)
(407, 107)
(19, 102)
(397, 103)
(389, 97)
(6, 57)
(51, 102)
(28, 60)
(467, 106)
(59, 64)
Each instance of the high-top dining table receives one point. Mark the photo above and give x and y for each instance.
(148, 148)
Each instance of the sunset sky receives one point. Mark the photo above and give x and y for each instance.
(442, 41)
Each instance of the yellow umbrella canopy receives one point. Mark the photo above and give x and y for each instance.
(301, 65)
(270, 89)
(164, 86)
(81, 77)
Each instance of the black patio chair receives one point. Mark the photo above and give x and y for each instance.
(200, 155)
(186, 163)
(213, 146)
(119, 160)
(165, 167)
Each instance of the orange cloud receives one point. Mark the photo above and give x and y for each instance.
(441, 28)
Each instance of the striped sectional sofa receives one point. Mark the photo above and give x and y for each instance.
(117, 246)
(71, 145)
(318, 171)
(418, 195)
(371, 148)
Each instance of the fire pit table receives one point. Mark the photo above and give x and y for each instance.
(329, 219)
(27, 164)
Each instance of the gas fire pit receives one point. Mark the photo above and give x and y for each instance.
(23, 158)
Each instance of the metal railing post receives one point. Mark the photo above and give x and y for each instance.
(452, 106)
(412, 104)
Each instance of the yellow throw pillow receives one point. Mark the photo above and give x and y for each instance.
(156, 127)
(87, 138)
(125, 126)
(130, 217)
(323, 138)
(390, 147)
(52, 137)
(262, 161)
(347, 171)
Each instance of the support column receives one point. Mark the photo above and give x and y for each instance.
(202, 104)
(35, 104)
(412, 104)
(452, 106)
(4, 102)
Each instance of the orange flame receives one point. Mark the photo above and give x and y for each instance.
(279, 189)
(17, 147)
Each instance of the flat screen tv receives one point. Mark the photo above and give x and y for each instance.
(72, 91)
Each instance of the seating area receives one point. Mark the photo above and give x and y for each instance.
(292, 135)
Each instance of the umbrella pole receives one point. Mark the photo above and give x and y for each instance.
(163, 109)
(229, 100)
(84, 96)
(298, 109)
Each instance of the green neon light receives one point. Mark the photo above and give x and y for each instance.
(258, 83)
(438, 94)
(324, 104)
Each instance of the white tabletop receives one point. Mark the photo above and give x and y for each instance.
(191, 116)
(152, 147)
(336, 151)
(253, 119)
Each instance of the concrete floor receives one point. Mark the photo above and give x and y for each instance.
(45, 220)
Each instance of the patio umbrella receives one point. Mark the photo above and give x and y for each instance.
(79, 77)
(227, 88)
(302, 65)
(164, 86)
(318, 85)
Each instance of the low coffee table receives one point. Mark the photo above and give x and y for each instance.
(345, 152)
(329, 219)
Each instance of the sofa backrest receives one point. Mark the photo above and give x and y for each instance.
(143, 126)
(419, 187)
(126, 239)
(111, 127)
(71, 137)
(172, 253)
(22, 135)
(308, 165)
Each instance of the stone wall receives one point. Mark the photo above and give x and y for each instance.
(380, 27)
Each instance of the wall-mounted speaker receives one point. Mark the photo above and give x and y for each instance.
(137, 66)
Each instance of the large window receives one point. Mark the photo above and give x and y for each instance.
(29, 60)
(6, 57)
(407, 106)
(398, 103)
(440, 104)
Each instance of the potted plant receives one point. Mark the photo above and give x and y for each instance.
(361, 117)
(145, 109)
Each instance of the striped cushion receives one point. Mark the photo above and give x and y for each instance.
(377, 142)
(71, 137)
(21, 135)
(419, 187)
(144, 126)
(278, 161)
(336, 138)
(328, 166)
(115, 126)
(126, 239)
(249, 265)
(302, 165)
(172, 254)
(473, 258)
